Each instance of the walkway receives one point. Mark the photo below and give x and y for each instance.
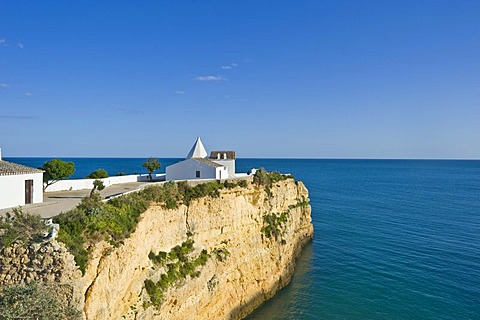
(61, 201)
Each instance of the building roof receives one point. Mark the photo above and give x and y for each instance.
(10, 168)
(214, 155)
(208, 162)
(198, 150)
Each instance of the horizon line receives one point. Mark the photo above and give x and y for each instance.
(260, 158)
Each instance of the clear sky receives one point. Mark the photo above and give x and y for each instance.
(334, 79)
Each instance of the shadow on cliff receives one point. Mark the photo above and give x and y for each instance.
(286, 287)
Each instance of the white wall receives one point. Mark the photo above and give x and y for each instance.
(222, 173)
(80, 184)
(229, 164)
(186, 170)
(12, 189)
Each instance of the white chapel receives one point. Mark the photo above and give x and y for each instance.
(198, 165)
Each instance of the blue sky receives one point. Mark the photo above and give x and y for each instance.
(321, 79)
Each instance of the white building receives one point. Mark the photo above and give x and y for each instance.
(197, 165)
(225, 158)
(19, 184)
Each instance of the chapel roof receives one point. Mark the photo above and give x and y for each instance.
(9, 168)
(198, 150)
(208, 162)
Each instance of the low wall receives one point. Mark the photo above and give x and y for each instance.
(80, 184)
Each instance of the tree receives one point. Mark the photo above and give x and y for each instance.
(56, 170)
(151, 165)
(97, 185)
(98, 174)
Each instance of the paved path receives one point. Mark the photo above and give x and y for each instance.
(61, 201)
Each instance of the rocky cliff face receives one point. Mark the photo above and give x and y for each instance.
(252, 239)
(47, 262)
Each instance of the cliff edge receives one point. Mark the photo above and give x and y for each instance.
(215, 258)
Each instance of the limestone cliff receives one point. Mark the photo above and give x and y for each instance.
(256, 260)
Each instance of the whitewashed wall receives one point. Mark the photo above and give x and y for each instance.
(229, 164)
(222, 173)
(80, 184)
(186, 170)
(12, 189)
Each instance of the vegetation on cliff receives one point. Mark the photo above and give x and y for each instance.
(267, 179)
(274, 224)
(178, 265)
(94, 220)
(34, 301)
(20, 226)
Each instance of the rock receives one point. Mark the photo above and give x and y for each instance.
(25, 259)
(55, 246)
(113, 286)
(233, 221)
(35, 247)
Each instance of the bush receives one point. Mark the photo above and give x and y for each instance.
(179, 265)
(189, 193)
(221, 254)
(91, 205)
(243, 183)
(274, 224)
(20, 226)
(267, 179)
(94, 220)
(98, 174)
(34, 301)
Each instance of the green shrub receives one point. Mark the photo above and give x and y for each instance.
(243, 183)
(98, 174)
(229, 185)
(91, 205)
(171, 203)
(20, 226)
(274, 224)
(154, 291)
(34, 301)
(178, 265)
(189, 193)
(221, 254)
(300, 204)
(158, 259)
(267, 179)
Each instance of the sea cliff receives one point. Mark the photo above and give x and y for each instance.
(215, 258)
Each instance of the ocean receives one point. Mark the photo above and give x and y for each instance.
(394, 239)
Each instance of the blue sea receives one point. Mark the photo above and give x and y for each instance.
(394, 239)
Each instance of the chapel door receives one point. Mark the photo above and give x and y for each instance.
(28, 191)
